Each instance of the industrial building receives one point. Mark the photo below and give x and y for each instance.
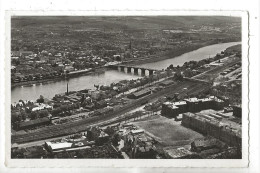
(226, 131)
(237, 111)
(173, 109)
(141, 93)
(68, 144)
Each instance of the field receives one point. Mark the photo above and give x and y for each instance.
(168, 132)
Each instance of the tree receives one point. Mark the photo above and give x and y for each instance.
(56, 112)
(33, 115)
(115, 139)
(23, 115)
(15, 117)
(43, 113)
(40, 100)
(171, 66)
(178, 76)
(28, 110)
(109, 131)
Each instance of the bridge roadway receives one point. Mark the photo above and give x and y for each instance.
(84, 124)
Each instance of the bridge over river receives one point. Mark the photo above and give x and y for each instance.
(133, 69)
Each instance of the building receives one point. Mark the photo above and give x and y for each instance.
(206, 103)
(178, 153)
(94, 94)
(228, 132)
(169, 110)
(98, 135)
(21, 53)
(237, 111)
(139, 145)
(34, 123)
(166, 83)
(193, 104)
(54, 147)
(219, 104)
(173, 109)
(139, 94)
(199, 145)
(69, 68)
(182, 105)
(68, 145)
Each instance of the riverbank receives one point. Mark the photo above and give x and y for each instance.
(58, 78)
(173, 53)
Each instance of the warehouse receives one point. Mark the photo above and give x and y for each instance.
(141, 93)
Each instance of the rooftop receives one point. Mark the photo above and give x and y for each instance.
(177, 152)
(194, 99)
(179, 103)
(59, 145)
(144, 91)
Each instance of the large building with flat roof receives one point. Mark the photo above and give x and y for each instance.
(224, 130)
(141, 93)
(173, 109)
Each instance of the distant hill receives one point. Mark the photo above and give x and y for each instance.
(124, 22)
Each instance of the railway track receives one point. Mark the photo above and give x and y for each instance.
(84, 124)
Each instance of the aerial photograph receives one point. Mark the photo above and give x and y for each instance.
(126, 87)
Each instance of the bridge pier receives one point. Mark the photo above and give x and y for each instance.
(139, 71)
(125, 69)
(146, 72)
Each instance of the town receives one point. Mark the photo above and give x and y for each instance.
(52, 50)
(191, 111)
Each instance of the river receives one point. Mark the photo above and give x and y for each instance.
(48, 90)
(196, 55)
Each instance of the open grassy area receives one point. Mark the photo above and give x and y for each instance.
(168, 132)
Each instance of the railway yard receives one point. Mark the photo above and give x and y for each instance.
(82, 125)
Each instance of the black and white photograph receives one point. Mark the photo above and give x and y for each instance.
(135, 87)
(126, 87)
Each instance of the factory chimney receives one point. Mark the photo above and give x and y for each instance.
(67, 93)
